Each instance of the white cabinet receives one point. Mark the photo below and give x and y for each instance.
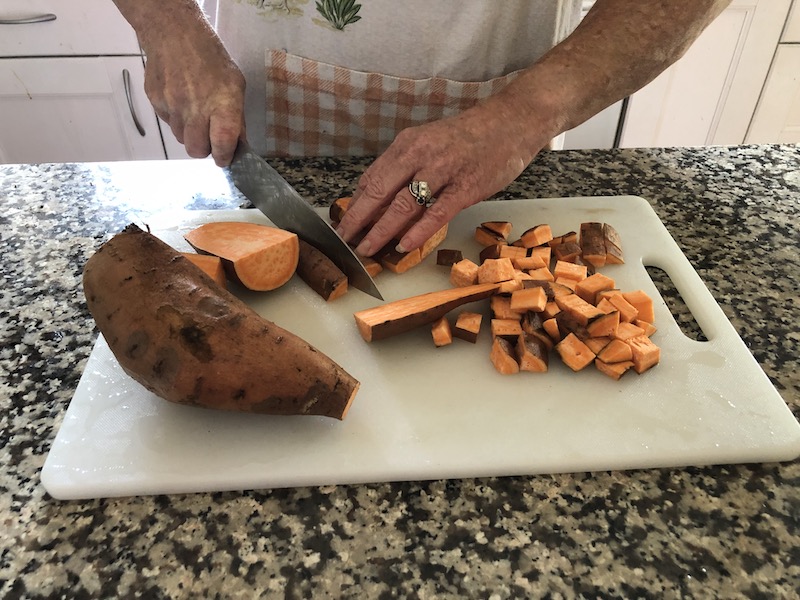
(71, 109)
(777, 117)
(72, 86)
(710, 95)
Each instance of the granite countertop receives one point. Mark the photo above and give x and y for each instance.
(725, 531)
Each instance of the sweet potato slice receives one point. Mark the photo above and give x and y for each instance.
(210, 265)
(403, 315)
(260, 257)
(321, 273)
(504, 357)
(400, 262)
(190, 342)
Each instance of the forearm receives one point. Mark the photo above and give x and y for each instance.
(163, 21)
(617, 49)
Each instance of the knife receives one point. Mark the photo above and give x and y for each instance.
(282, 205)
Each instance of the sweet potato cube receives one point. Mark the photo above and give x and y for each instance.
(501, 228)
(552, 329)
(550, 309)
(533, 299)
(627, 312)
(447, 257)
(566, 282)
(613, 245)
(570, 236)
(495, 270)
(542, 274)
(468, 326)
(627, 331)
(615, 351)
(606, 306)
(578, 309)
(501, 308)
(574, 353)
(507, 328)
(593, 244)
(512, 252)
(400, 262)
(536, 236)
(649, 328)
(604, 325)
(338, 208)
(491, 251)
(643, 303)
(543, 252)
(569, 270)
(527, 263)
(589, 287)
(372, 266)
(503, 357)
(566, 251)
(463, 273)
(596, 344)
(645, 353)
(532, 353)
(613, 370)
(510, 286)
(486, 237)
(441, 332)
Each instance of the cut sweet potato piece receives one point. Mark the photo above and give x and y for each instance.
(507, 328)
(528, 263)
(533, 299)
(486, 237)
(210, 265)
(552, 329)
(613, 245)
(645, 353)
(592, 285)
(543, 252)
(627, 312)
(643, 304)
(550, 310)
(569, 237)
(320, 273)
(615, 351)
(569, 270)
(504, 357)
(337, 208)
(578, 308)
(536, 236)
(532, 353)
(501, 228)
(464, 273)
(596, 344)
(649, 328)
(604, 325)
(491, 251)
(566, 251)
(433, 242)
(512, 252)
(447, 257)
(613, 370)
(441, 332)
(627, 331)
(541, 274)
(574, 353)
(190, 342)
(400, 262)
(468, 326)
(372, 266)
(403, 315)
(495, 270)
(593, 244)
(260, 257)
(501, 308)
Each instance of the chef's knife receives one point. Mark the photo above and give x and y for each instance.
(282, 205)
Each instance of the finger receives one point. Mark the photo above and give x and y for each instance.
(177, 126)
(226, 128)
(195, 137)
(376, 188)
(441, 212)
(402, 210)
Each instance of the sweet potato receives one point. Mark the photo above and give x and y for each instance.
(260, 257)
(320, 273)
(189, 341)
(468, 326)
(210, 265)
(441, 332)
(504, 357)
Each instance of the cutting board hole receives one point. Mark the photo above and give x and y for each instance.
(683, 316)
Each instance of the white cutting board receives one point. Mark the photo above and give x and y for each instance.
(426, 413)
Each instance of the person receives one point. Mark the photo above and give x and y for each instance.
(521, 94)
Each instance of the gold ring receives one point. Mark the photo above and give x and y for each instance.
(421, 192)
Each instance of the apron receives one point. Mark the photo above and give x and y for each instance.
(333, 77)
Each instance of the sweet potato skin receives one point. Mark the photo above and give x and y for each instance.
(191, 342)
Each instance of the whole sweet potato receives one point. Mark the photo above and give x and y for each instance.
(191, 342)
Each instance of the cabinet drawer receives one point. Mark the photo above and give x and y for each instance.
(58, 28)
(792, 32)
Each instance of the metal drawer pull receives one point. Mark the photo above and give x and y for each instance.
(126, 81)
(28, 20)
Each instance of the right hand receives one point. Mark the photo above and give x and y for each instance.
(197, 89)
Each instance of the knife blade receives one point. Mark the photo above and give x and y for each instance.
(282, 205)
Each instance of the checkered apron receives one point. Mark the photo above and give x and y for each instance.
(317, 109)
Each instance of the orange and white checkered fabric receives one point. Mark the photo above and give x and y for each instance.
(317, 109)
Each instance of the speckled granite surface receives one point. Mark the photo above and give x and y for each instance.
(724, 532)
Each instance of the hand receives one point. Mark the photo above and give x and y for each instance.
(464, 159)
(197, 89)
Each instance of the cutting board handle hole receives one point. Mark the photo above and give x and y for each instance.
(676, 305)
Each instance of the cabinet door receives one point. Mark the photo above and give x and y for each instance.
(56, 28)
(710, 94)
(777, 119)
(75, 109)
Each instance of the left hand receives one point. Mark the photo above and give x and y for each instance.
(464, 159)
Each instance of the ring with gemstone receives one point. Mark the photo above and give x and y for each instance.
(421, 192)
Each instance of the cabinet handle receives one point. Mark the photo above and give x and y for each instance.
(28, 20)
(126, 81)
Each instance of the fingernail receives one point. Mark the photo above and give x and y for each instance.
(400, 248)
(363, 248)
